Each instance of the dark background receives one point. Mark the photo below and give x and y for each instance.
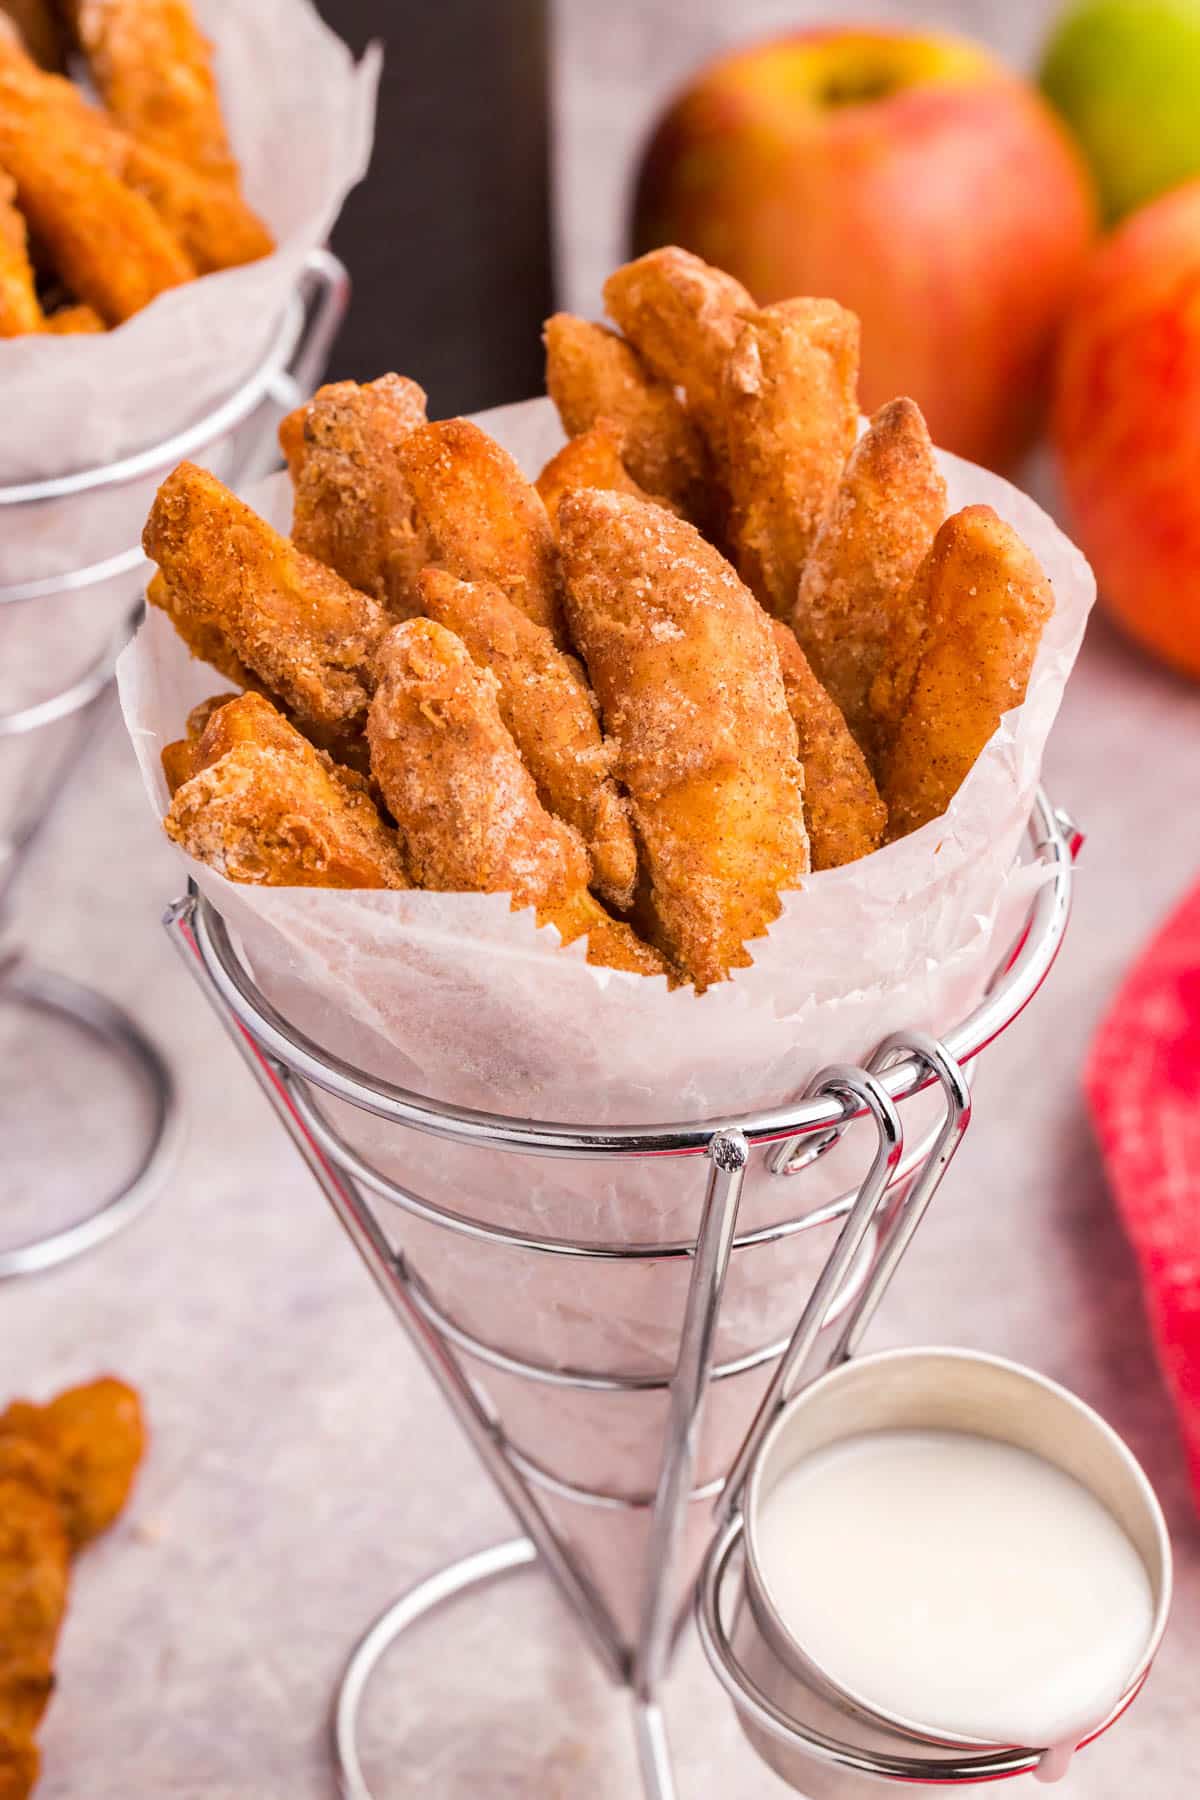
(447, 238)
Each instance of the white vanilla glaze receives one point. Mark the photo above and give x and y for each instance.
(958, 1583)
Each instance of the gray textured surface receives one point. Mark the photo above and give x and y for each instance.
(302, 1472)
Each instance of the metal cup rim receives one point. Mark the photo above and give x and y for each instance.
(758, 1592)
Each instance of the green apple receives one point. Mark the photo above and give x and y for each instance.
(1125, 74)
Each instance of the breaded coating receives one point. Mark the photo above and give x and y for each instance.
(789, 413)
(465, 802)
(75, 321)
(153, 68)
(683, 662)
(209, 218)
(479, 518)
(306, 633)
(34, 1562)
(592, 374)
(353, 506)
(264, 806)
(107, 243)
(591, 460)
(206, 641)
(852, 615)
(988, 605)
(545, 703)
(96, 1437)
(20, 310)
(846, 818)
(683, 317)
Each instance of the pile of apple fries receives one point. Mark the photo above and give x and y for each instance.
(720, 643)
(103, 207)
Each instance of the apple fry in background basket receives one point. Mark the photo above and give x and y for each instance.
(353, 506)
(66, 1470)
(19, 307)
(464, 800)
(857, 607)
(988, 603)
(593, 374)
(153, 68)
(566, 693)
(128, 202)
(688, 680)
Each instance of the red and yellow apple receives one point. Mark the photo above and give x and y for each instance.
(914, 179)
(1126, 423)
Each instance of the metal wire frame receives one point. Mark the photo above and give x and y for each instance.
(294, 357)
(288, 1065)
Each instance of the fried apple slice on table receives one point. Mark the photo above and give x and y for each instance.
(34, 1573)
(353, 507)
(20, 310)
(295, 624)
(683, 317)
(96, 1437)
(857, 608)
(546, 704)
(593, 374)
(686, 671)
(153, 68)
(989, 602)
(845, 816)
(264, 806)
(467, 805)
(789, 412)
(479, 518)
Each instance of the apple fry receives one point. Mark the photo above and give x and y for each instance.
(95, 1436)
(465, 802)
(306, 633)
(75, 321)
(353, 506)
(34, 1569)
(479, 517)
(592, 374)
(682, 659)
(19, 308)
(788, 418)
(591, 460)
(106, 242)
(264, 806)
(545, 703)
(988, 605)
(846, 818)
(683, 317)
(853, 614)
(153, 68)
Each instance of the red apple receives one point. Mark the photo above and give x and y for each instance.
(914, 179)
(1126, 423)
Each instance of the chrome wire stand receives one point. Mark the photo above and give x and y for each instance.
(246, 422)
(877, 1223)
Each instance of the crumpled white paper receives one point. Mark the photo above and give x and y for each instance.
(454, 995)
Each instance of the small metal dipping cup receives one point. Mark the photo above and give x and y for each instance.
(824, 1739)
